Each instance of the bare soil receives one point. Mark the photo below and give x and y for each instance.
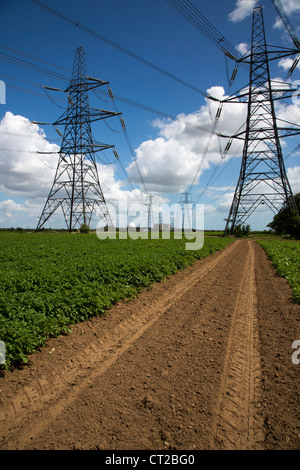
(201, 361)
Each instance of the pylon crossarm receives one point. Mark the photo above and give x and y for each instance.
(98, 147)
(283, 92)
(274, 53)
(102, 114)
(282, 131)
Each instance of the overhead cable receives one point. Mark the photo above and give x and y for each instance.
(112, 43)
(186, 9)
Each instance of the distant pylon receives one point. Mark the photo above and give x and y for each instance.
(262, 178)
(186, 210)
(76, 187)
(150, 202)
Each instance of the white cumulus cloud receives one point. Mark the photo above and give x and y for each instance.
(23, 171)
(243, 47)
(293, 175)
(286, 63)
(243, 8)
(292, 9)
(28, 175)
(185, 147)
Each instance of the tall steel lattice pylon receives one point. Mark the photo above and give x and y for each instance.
(262, 178)
(76, 188)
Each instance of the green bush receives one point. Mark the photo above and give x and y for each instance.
(84, 228)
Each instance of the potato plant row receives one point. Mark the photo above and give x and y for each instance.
(49, 281)
(285, 256)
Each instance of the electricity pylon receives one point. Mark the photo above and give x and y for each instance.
(262, 178)
(150, 198)
(76, 188)
(186, 212)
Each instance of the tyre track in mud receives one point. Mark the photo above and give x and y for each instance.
(237, 424)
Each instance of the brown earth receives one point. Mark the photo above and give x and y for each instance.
(202, 361)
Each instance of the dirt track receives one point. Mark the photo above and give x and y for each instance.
(202, 360)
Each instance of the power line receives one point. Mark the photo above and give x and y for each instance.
(29, 65)
(186, 9)
(2, 46)
(42, 70)
(26, 64)
(123, 125)
(112, 43)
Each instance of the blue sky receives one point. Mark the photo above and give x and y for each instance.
(168, 152)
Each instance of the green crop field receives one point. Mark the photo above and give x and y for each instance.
(285, 256)
(49, 281)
